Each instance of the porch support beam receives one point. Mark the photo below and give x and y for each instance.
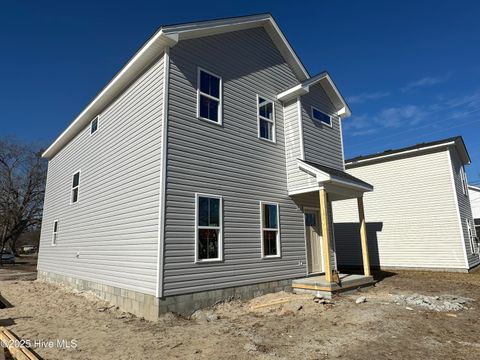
(325, 221)
(363, 236)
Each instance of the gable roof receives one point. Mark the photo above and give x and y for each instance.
(168, 36)
(328, 85)
(456, 141)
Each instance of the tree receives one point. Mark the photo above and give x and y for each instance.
(22, 189)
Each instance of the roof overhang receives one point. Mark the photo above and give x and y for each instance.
(327, 84)
(474, 188)
(456, 142)
(324, 178)
(168, 36)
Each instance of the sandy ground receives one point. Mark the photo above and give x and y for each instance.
(299, 328)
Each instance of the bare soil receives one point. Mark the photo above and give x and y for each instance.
(296, 327)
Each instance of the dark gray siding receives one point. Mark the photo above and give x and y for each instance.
(464, 207)
(229, 161)
(322, 143)
(114, 226)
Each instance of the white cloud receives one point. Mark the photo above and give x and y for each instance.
(361, 98)
(426, 81)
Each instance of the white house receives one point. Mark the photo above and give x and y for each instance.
(205, 169)
(419, 216)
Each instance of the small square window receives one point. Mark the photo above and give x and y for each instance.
(321, 116)
(94, 125)
(209, 102)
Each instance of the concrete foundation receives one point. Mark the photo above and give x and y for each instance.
(317, 285)
(151, 307)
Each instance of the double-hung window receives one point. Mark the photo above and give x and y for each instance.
(318, 115)
(266, 119)
(75, 187)
(209, 97)
(208, 231)
(55, 233)
(463, 177)
(270, 229)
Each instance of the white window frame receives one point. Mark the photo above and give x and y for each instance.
(471, 237)
(97, 118)
(55, 233)
(279, 250)
(463, 176)
(321, 121)
(220, 99)
(272, 121)
(76, 187)
(219, 228)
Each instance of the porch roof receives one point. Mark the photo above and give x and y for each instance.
(326, 174)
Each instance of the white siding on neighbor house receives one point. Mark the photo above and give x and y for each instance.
(412, 218)
(114, 226)
(322, 143)
(297, 179)
(474, 196)
(464, 208)
(230, 161)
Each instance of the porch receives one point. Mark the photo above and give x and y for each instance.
(323, 277)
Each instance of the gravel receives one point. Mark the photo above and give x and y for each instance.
(444, 303)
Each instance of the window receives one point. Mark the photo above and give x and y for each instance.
(471, 237)
(209, 101)
(463, 176)
(55, 232)
(75, 186)
(208, 232)
(270, 232)
(266, 119)
(321, 116)
(94, 125)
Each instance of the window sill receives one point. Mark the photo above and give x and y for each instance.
(208, 261)
(210, 121)
(267, 140)
(271, 257)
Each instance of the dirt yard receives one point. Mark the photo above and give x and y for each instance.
(383, 327)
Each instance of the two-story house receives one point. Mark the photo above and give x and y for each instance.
(204, 170)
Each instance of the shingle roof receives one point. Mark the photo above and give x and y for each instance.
(339, 174)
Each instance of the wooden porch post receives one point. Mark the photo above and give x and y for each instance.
(363, 236)
(325, 221)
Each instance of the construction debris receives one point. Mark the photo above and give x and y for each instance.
(15, 346)
(444, 303)
(360, 300)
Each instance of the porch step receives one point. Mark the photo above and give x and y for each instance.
(317, 285)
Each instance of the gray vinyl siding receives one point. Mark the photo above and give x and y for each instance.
(297, 179)
(474, 196)
(464, 207)
(114, 225)
(412, 219)
(229, 161)
(322, 143)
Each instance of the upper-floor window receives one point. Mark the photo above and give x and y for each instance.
(94, 125)
(321, 116)
(55, 232)
(209, 97)
(75, 187)
(208, 228)
(270, 229)
(266, 119)
(463, 177)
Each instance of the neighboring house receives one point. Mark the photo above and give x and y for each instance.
(419, 216)
(188, 178)
(474, 194)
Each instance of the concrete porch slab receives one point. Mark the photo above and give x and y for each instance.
(317, 285)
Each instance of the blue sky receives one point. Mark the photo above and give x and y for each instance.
(409, 69)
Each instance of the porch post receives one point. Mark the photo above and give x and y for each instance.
(363, 236)
(325, 221)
